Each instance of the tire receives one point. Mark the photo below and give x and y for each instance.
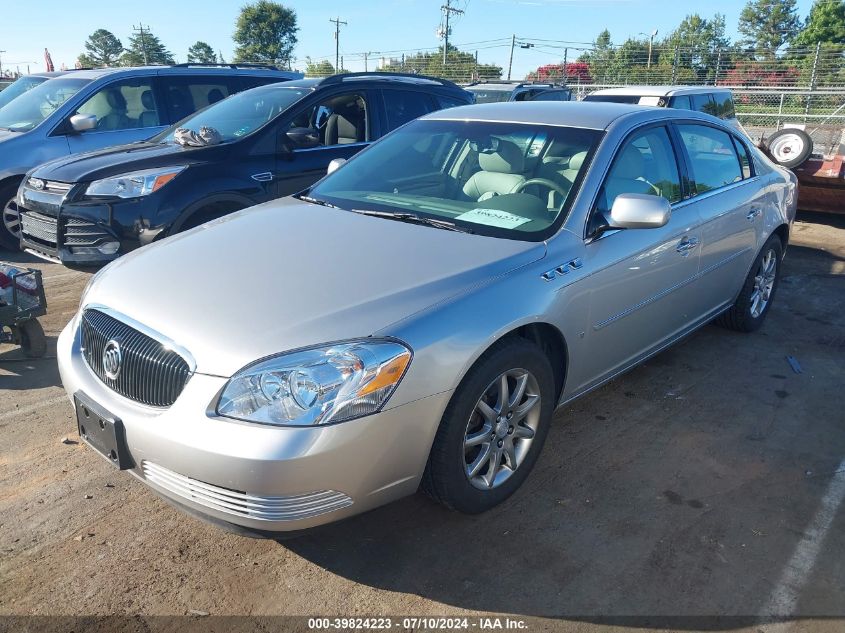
(746, 315)
(10, 238)
(33, 341)
(790, 147)
(447, 478)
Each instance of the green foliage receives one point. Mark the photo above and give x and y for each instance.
(460, 66)
(102, 49)
(319, 69)
(826, 24)
(201, 53)
(265, 32)
(768, 24)
(156, 53)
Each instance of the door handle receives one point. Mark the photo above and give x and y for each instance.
(686, 245)
(755, 211)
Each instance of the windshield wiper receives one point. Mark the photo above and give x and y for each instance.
(404, 216)
(322, 203)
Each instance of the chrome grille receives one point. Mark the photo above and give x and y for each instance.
(40, 227)
(150, 373)
(238, 503)
(48, 185)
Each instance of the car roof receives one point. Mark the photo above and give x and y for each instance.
(97, 73)
(505, 85)
(658, 91)
(378, 77)
(592, 115)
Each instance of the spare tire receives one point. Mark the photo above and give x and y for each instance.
(790, 147)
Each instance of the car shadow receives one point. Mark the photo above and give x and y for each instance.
(19, 373)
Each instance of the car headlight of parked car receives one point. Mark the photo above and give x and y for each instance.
(320, 385)
(135, 184)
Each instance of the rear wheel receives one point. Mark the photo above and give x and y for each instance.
(10, 226)
(751, 307)
(493, 429)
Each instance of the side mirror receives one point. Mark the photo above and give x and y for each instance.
(83, 122)
(302, 138)
(639, 211)
(336, 164)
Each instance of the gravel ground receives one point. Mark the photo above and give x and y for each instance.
(692, 486)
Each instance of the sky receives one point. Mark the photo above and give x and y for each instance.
(372, 26)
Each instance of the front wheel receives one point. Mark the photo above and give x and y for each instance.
(493, 429)
(755, 299)
(10, 223)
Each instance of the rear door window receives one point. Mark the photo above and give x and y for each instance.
(185, 95)
(681, 102)
(703, 103)
(123, 105)
(712, 156)
(402, 106)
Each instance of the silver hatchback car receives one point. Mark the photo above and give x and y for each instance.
(415, 318)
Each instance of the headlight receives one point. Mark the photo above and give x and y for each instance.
(320, 385)
(133, 185)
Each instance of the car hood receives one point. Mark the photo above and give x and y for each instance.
(288, 274)
(121, 159)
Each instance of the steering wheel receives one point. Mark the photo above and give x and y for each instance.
(543, 182)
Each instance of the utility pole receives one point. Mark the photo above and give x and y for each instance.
(140, 29)
(448, 10)
(650, 44)
(510, 62)
(337, 22)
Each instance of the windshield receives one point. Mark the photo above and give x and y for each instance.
(486, 95)
(35, 105)
(501, 179)
(19, 87)
(239, 115)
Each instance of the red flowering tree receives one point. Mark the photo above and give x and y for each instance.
(756, 74)
(574, 72)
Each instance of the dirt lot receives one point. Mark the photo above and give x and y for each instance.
(702, 483)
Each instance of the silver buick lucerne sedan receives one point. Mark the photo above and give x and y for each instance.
(415, 318)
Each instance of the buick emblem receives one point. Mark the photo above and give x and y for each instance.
(36, 183)
(112, 359)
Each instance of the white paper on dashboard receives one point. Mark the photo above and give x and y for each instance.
(493, 217)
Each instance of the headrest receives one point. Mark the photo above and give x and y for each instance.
(630, 165)
(506, 159)
(147, 100)
(116, 100)
(577, 161)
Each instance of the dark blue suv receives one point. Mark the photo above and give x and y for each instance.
(258, 145)
(86, 110)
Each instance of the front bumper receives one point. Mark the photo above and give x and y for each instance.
(258, 477)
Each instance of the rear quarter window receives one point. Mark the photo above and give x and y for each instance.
(402, 106)
(724, 105)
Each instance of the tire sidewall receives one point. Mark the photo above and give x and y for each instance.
(7, 240)
(462, 495)
(802, 156)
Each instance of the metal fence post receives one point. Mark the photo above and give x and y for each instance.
(718, 64)
(780, 111)
(675, 65)
(812, 80)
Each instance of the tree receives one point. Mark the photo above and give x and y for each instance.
(102, 49)
(146, 50)
(701, 43)
(825, 24)
(575, 72)
(265, 32)
(768, 24)
(318, 69)
(201, 53)
(460, 66)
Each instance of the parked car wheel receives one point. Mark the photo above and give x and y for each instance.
(755, 299)
(10, 226)
(33, 341)
(790, 147)
(493, 429)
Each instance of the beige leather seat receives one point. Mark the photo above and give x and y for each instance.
(501, 171)
(562, 170)
(628, 176)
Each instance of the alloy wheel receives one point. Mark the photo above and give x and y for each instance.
(12, 218)
(764, 283)
(501, 429)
